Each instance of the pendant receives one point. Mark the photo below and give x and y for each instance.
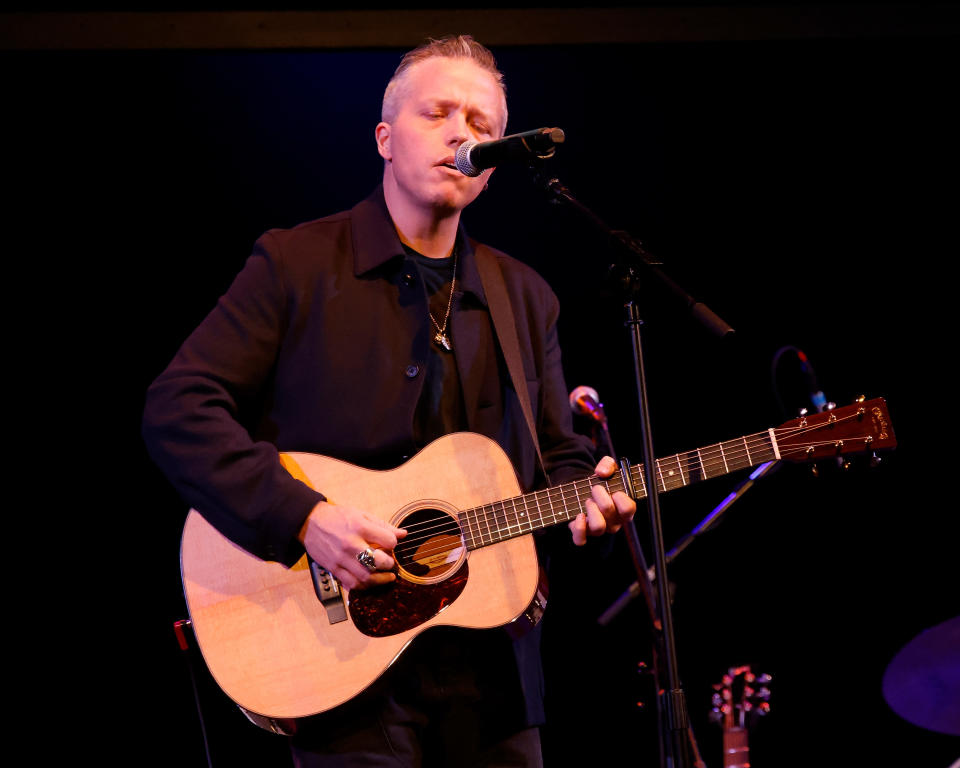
(443, 341)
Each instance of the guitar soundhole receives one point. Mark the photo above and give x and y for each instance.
(431, 573)
(433, 547)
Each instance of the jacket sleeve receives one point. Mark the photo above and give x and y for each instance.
(194, 418)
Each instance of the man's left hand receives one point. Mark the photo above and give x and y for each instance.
(603, 513)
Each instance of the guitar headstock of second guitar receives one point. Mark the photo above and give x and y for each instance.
(740, 697)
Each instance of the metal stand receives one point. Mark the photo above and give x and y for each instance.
(677, 744)
(181, 629)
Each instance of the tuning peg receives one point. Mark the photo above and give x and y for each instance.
(763, 693)
(861, 412)
(715, 716)
(874, 460)
(845, 465)
(763, 709)
(814, 471)
(860, 399)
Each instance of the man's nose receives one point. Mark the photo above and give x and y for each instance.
(457, 131)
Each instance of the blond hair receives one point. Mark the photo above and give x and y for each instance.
(451, 47)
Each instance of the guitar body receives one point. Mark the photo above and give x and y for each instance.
(272, 645)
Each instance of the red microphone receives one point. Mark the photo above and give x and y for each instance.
(586, 401)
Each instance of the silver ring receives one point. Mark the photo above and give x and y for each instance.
(365, 558)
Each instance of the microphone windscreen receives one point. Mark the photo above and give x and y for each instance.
(584, 400)
(463, 162)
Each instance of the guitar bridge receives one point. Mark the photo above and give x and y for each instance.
(328, 593)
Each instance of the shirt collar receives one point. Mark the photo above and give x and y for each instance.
(375, 242)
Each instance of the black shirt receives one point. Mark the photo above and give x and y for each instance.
(440, 410)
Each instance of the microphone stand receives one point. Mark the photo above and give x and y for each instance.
(710, 521)
(606, 438)
(818, 400)
(676, 733)
(642, 586)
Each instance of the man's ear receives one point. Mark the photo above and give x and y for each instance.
(382, 134)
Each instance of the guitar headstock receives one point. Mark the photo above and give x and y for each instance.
(863, 426)
(739, 697)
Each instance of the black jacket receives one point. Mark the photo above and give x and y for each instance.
(320, 345)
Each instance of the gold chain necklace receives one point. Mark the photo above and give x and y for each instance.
(441, 336)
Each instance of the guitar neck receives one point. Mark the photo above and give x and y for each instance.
(736, 752)
(491, 523)
(853, 428)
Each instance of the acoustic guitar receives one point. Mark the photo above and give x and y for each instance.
(288, 643)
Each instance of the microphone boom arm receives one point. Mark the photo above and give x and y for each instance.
(635, 255)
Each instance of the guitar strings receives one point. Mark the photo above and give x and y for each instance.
(442, 523)
(560, 494)
(491, 520)
(551, 496)
(579, 491)
(498, 518)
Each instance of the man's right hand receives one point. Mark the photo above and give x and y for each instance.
(334, 535)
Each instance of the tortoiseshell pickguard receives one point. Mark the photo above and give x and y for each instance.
(402, 605)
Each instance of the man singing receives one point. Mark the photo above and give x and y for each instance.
(365, 336)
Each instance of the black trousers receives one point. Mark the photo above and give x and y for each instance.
(452, 700)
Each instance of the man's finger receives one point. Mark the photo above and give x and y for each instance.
(596, 521)
(381, 534)
(578, 527)
(606, 467)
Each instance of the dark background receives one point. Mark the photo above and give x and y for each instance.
(804, 187)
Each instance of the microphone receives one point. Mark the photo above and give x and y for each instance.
(475, 157)
(817, 397)
(586, 401)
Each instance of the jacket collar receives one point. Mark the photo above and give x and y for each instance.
(375, 242)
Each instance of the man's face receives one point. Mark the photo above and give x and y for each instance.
(443, 103)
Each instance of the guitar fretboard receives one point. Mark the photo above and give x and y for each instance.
(736, 751)
(501, 520)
